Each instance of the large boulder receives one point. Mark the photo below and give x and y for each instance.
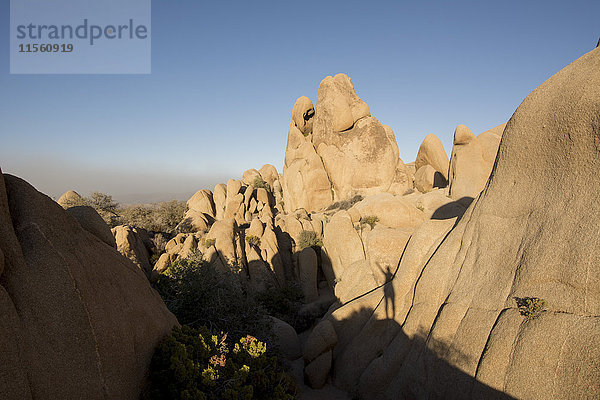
(471, 162)
(461, 327)
(131, 245)
(432, 153)
(77, 319)
(427, 178)
(220, 200)
(269, 174)
(70, 199)
(286, 339)
(358, 153)
(249, 176)
(200, 212)
(392, 211)
(302, 115)
(91, 221)
(342, 243)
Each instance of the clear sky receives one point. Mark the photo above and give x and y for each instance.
(226, 74)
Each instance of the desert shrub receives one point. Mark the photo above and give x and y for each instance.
(196, 364)
(157, 217)
(101, 202)
(199, 295)
(531, 307)
(260, 183)
(345, 204)
(370, 220)
(253, 240)
(208, 242)
(283, 303)
(309, 239)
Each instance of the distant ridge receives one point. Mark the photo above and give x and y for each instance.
(145, 198)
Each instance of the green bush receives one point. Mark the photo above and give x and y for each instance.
(260, 183)
(370, 220)
(199, 295)
(158, 217)
(194, 364)
(284, 303)
(208, 242)
(309, 239)
(253, 240)
(531, 307)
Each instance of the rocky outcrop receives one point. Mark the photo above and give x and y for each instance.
(338, 151)
(452, 323)
(77, 319)
(359, 154)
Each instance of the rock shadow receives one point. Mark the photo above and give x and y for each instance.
(418, 368)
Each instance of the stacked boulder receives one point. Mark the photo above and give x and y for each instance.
(339, 150)
(359, 154)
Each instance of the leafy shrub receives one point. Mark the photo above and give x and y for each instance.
(199, 295)
(309, 239)
(195, 364)
(531, 307)
(260, 183)
(208, 242)
(253, 240)
(101, 202)
(158, 217)
(283, 303)
(370, 220)
(345, 204)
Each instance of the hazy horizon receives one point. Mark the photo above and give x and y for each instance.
(225, 77)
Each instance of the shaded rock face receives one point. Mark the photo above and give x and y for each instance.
(92, 222)
(449, 325)
(77, 319)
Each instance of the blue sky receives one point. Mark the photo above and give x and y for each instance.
(225, 76)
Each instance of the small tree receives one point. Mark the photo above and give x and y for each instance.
(309, 239)
(103, 203)
(260, 183)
